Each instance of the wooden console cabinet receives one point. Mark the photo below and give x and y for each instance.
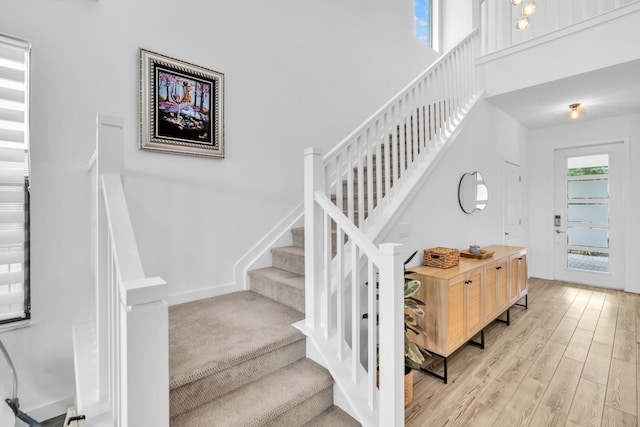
(460, 301)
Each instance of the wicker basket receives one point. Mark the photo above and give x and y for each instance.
(441, 257)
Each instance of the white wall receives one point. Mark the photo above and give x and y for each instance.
(434, 216)
(298, 73)
(456, 21)
(540, 154)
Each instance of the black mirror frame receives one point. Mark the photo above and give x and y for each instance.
(475, 208)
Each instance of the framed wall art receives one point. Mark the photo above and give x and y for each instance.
(181, 107)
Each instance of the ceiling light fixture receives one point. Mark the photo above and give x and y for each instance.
(528, 9)
(575, 111)
(522, 23)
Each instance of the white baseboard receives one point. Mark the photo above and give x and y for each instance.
(203, 293)
(47, 411)
(540, 275)
(259, 255)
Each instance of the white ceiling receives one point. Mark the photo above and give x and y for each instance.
(607, 92)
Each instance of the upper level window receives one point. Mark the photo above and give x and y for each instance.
(423, 12)
(14, 180)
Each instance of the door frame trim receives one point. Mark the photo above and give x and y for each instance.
(626, 195)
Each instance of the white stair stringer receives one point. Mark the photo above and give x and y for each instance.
(347, 395)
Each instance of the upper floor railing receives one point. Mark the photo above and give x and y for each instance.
(497, 20)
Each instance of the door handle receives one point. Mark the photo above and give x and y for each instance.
(506, 233)
(559, 231)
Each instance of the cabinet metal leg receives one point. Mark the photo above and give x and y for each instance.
(443, 377)
(478, 344)
(526, 302)
(508, 321)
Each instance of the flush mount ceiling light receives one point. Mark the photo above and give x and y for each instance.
(516, 2)
(575, 111)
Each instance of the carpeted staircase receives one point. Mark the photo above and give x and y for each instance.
(235, 360)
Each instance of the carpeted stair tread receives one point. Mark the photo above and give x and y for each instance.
(213, 334)
(288, 258)
(282, 286)
(291, 393)
(333, 417)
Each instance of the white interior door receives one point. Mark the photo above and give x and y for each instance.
(588, 224)
(512, 204)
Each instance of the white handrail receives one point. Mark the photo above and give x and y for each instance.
(368, 169)
(334, 151)
(138, 385)
(347, 226)
(334, 308)
(130, 311)
(369, 174)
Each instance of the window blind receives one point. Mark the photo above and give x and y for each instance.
(14, 180)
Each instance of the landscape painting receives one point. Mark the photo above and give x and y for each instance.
(181, 107)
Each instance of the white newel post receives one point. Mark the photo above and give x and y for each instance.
(145, 359)
(391, 312)
(313, 240)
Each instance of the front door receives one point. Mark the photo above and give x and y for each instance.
(588, 224)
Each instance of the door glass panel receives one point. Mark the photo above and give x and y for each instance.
(585, 212)
(587, 236)
(596, 164)
(587, 260)
(588, 179)
(588, 189)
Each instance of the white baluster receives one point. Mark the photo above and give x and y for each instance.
(372, 329)
(351, 152)
(329, 315)
(359, 167)
(369, 153)
(388, 137)
(340, 308)
(355, 311)
(402, 140)
(380, 180)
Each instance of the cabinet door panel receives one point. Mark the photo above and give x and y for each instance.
(490, 293)
(474, 303)
(522, 275)
(455, 313)
(502, 283)
(513, 280)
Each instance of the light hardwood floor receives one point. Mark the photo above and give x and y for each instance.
(571, 359)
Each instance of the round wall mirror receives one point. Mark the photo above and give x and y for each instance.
(472, 192)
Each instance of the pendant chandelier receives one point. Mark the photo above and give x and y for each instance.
(528, 9)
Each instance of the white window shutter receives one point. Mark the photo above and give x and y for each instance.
(14, 179)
